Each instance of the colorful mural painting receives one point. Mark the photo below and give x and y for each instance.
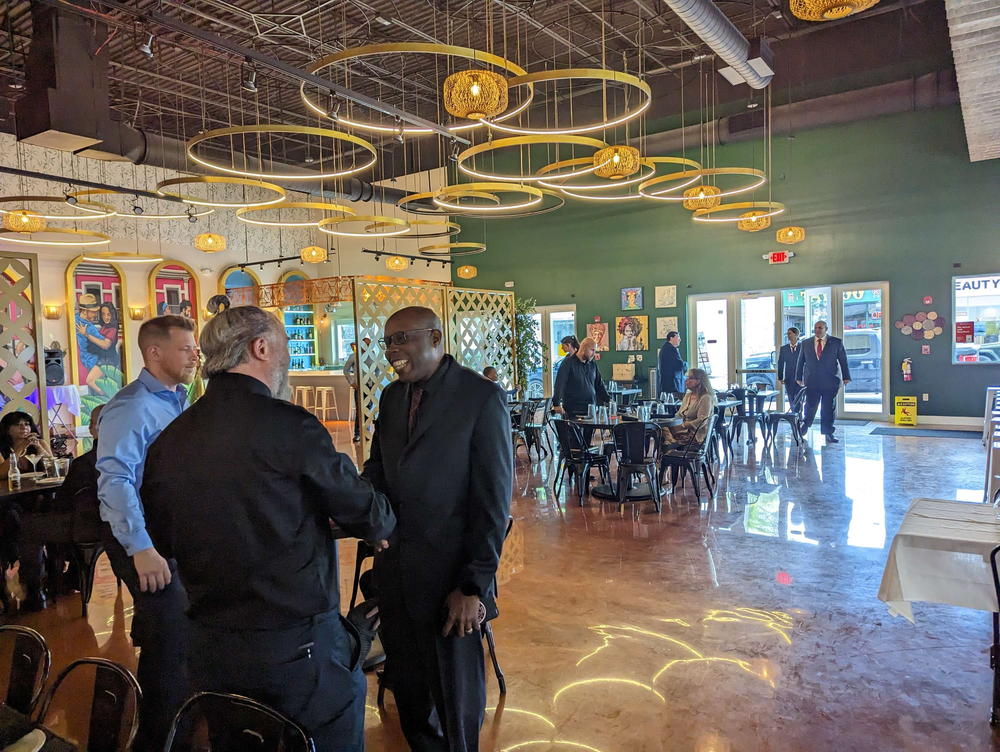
(174, 290)
(97, 342)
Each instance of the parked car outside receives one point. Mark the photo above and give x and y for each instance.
(864, 359)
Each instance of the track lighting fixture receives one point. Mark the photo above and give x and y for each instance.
(191, 215)
(249, 82)
(71, 200)
(137, 209)
(146, 48)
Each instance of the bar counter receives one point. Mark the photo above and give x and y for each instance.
(333, 377)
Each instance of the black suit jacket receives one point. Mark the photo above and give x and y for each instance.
(672, 368)
(821, 375)
(450, 485)
(787, 361)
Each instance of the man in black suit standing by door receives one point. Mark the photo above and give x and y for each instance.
(816, 369)
(442, 454)
(788, 357)
(672, 366)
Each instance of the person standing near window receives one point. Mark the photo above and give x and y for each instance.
(822, 367)
(671, 365)
(787, 358)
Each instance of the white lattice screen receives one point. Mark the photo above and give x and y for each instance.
(22, 376)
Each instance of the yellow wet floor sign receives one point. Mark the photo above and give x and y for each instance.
(906, 411)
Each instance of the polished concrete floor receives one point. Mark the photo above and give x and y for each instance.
(749, 622)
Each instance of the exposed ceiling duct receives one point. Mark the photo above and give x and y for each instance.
(923, 93)
(719, 33)
(974, 26)
(65, 107)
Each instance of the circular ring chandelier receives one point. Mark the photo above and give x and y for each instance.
(444, 195)
(450, 228)
(406, 203)
(208, 180)
(414, 48)
(555, 201)
(759, 175)
(452, 249)
(241, 214)
(565, 74)
(502, 143)
(118, 257)
(89, 210)
(381, 221)
(647, 162)
(101, 238)
(305, 130)
(767, 209)
(145, 215)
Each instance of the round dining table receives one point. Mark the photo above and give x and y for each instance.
(639, 491)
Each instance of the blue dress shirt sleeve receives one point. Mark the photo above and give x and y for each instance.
(121, 452)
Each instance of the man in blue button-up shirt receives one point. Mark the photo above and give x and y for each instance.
(130, 423)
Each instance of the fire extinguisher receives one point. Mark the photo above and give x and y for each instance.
(907, 369)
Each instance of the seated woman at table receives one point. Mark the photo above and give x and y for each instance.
(18, 433)
(696, 408)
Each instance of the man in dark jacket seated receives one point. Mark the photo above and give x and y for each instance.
(73, 516)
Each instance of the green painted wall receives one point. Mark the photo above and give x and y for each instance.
(889, 199)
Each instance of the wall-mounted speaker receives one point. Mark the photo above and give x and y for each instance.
(55, 375)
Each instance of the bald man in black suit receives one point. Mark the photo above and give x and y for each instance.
(442, 454)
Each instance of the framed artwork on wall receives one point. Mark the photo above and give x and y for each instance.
(599, 333)
(631, 298)
(665, 324)
(666, 296)
(631, 333)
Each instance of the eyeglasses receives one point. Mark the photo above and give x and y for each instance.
(398, 338)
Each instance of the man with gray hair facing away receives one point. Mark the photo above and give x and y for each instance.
(240, 489)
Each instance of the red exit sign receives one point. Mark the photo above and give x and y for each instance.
(778, 257)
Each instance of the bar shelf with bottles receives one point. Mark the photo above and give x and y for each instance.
(301, 331)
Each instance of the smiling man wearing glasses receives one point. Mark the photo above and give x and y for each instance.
(441, 452)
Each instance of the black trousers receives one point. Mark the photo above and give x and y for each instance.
(310, 672)
(439, 683)
(356, 396)
(792, 390)
(828, 400)
(160, 627)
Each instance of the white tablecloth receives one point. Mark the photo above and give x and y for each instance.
(941, 554)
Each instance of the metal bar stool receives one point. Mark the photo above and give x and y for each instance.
(305, 396)
(326, 400)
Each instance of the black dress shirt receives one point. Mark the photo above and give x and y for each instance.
(240, 489)
(578, 384)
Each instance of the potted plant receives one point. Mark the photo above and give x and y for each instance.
(528, 349)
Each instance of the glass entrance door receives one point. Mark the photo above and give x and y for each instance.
(861, 317)
(711, 340)
(758, 352)
(817, 308)
(551, 323)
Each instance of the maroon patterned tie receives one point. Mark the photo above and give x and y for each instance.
(416, 395)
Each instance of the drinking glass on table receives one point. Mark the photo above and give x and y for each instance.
(31, 455)
(55, 467)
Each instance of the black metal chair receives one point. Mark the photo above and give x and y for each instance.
(364, 551)
(749, 414)
(519, 430)
(578, 457)
(114, 710)
(637, 449)
(690, 458)
(793, 416)
(30, 660)
(539, 431)
(235, 724)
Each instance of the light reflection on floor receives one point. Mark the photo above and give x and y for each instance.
(746, 623)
